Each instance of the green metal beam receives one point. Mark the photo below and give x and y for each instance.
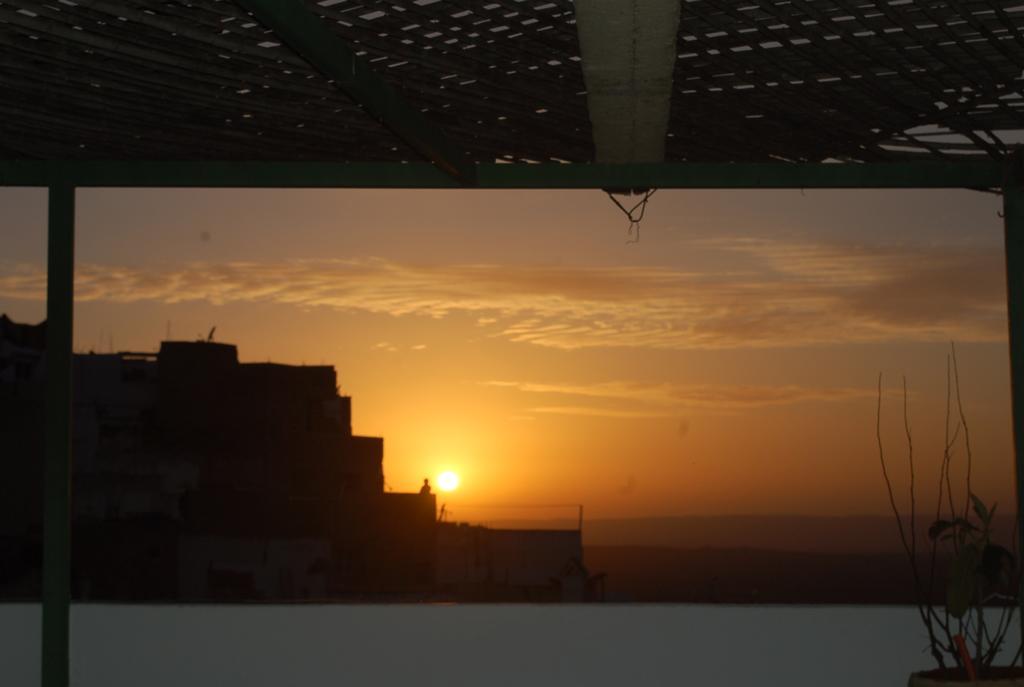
(965, 174)
(57, 469)
(1013, 214)
(309, 36)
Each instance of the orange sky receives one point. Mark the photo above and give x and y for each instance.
(724, 364)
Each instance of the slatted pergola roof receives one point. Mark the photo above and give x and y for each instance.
(756, 80)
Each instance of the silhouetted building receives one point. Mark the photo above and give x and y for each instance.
(253, 568)
(480, 563)
(25, 336)
(199, 477)
(21, 447)
(188, 464)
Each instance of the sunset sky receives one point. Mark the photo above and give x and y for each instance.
(726, 363)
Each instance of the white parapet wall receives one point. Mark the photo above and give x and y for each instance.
(497, 646)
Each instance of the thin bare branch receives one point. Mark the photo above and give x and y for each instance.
(923, 606)
(963, 423)
(910, 461)
(885, 473)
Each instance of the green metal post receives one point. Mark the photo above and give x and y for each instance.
(57, 471)
(980, 174)
(1013, 218)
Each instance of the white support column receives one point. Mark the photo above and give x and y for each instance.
(628, 48)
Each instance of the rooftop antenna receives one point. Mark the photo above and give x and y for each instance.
(209, 337)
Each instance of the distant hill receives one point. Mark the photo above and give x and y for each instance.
(841, 535)
(663, 575)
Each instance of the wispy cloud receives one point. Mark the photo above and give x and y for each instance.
(668, 400)
(773, 293)
(594, 411)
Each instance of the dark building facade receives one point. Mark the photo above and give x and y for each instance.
(198, 478)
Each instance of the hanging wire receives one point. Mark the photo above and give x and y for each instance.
(632, 215)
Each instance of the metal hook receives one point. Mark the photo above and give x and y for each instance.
(634, 219)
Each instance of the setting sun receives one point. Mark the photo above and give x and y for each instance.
(448, 481)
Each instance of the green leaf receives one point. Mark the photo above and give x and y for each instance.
(980, 509)
(963, 581)
(996, 564)
(964, 524)
(937, 528)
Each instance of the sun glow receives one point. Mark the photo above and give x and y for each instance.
(448, 481)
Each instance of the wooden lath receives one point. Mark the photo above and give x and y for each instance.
(832, 67)
(309, 36)
(804, 80)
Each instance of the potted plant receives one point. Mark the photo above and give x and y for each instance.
(965, 639)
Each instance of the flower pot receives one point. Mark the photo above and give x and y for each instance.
(996, 676)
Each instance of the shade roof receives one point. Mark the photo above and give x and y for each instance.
(798, 80)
